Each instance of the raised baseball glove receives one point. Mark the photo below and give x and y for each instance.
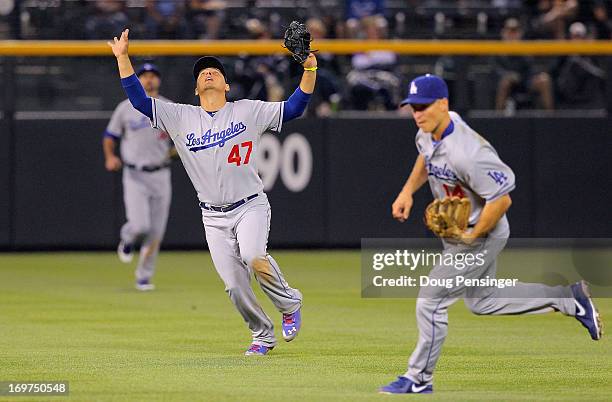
(448, 218)
(297, 41)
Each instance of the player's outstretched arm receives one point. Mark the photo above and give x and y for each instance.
(120, 50)
(132, 86)
(297, 102)
(403, 203)
(310, 74)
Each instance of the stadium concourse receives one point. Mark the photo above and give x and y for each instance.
(370, 81)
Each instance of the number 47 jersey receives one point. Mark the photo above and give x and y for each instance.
(219, 152)
(464, 164)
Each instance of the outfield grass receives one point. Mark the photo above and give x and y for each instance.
(76, 317)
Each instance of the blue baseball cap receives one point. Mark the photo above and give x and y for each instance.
(426, 89)
(148, 68)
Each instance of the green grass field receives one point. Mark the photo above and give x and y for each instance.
(76, 317)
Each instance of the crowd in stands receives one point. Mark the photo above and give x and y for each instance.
(366, 81)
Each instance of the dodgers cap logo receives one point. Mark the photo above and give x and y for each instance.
(426, 89)
(413, 88)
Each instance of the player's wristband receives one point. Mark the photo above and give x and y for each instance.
(310, 68)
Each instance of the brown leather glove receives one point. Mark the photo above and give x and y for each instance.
(448, 218)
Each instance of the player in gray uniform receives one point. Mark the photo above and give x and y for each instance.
(217, 142)
(456, 161)
(147, 191)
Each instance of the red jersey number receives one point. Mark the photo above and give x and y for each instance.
(234, 155)
(456, 191)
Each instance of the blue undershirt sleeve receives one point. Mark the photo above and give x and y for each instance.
(137, 96)
(295, 105)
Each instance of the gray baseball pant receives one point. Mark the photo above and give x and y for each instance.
(238, 241)
(433, 303)
(147, 197)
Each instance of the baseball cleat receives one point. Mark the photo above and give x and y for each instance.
(586, 312)
(143, 285)
(404, 385)
(125, 252)
(291, 325)
(258, 350)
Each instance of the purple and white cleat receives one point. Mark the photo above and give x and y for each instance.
(291, 325)
(258, 350)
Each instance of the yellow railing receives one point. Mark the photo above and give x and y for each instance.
(236, 47)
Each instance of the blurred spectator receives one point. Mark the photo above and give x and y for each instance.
(602, 25)
(359, 9)
(258, 77)
(165, 19)
(108, 19)
(326, 98)
(257, 29)
(506, 3)
(515, 76)
(360, 12)
(580, 82)
(373, 84)
(333, 26)
(205, 17)
(578, 31)
(8, 13)
(553, 18)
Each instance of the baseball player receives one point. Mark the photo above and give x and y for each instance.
(217, 142)
(147, 191)
(457, 162)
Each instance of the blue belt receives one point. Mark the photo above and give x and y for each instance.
(226, 208)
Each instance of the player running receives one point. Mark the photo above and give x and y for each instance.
(458, 162)
(217, 142)
(147, 188)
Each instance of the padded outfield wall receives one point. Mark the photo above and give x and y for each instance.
(331, 182)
